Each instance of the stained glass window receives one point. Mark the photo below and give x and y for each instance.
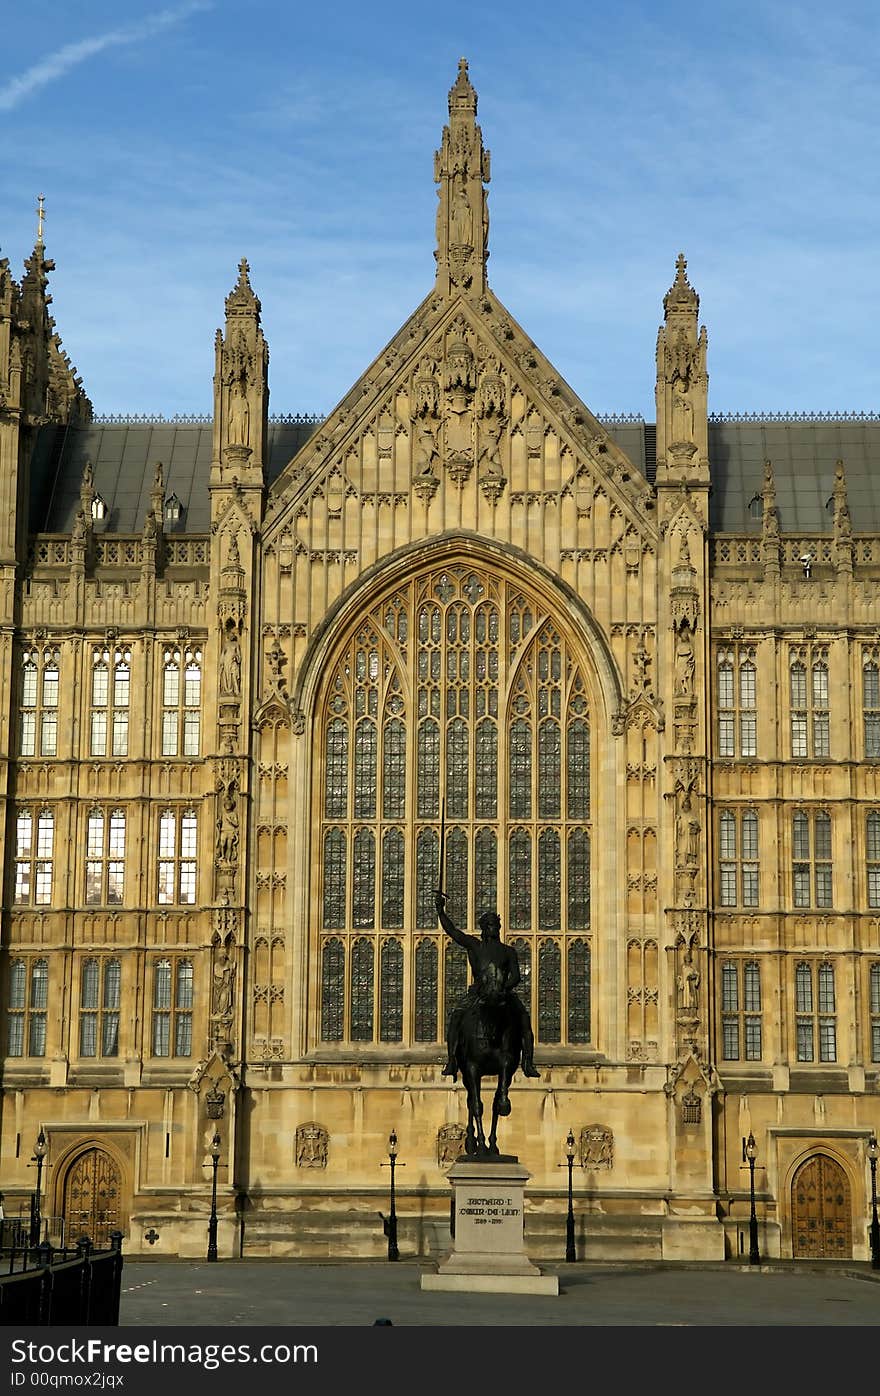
(363, 909)
(391, 992)
(578, 880)
(362, 990)
(549, 881)
(426, 991)
(549, 770)
(429, 769)
(520, 769)
(485, 872)
(332, 990)
(549, 991)
(524, 956)
(455, 690)
(457, 875)
(455, 976)
(334, 879)
(520, 888)
(427, 870)
(336, 788)
(365, 769)
(392, 879)
(578, 991)
(486, 770)
(394, 770)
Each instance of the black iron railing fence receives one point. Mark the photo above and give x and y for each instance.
(47, 1284)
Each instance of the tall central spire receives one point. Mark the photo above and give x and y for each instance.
(461, 168)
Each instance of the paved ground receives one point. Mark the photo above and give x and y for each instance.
(287, 1294)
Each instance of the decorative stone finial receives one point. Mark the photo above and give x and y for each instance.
(461, 168)
(681, 294)
(241, 299)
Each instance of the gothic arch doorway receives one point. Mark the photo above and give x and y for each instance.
(821, 1211)
(92, 1195)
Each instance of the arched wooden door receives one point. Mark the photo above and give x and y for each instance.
(92, 1191)
(821, 1211)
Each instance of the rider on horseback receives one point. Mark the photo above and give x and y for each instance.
(495, 971)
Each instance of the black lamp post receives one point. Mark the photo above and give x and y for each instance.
(751, 1154)
(391, 1222)
(212, 1221)
(873, 1151)
(40, 1149)
(570, 1250)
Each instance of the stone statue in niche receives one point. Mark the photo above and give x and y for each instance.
(491, 431)
(682, 418)
(687, 832)
(461, 222)
(684, 663)
(681, 361)
(597, 1147)
(311, 1146)
(689, 984)
(223, 978)
(229, 668)
(426, 454)
(275, 661)
(227, 825)
(239, 412)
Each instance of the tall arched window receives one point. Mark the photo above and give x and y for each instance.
(457, 690)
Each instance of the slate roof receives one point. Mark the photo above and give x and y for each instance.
(124, 456)
(803, 452)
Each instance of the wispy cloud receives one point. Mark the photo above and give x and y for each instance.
(56, 64)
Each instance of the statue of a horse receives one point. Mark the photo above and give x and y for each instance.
(489, 1043)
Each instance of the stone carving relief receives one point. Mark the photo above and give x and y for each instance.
(691, 1108)
(426, 428)
(215, 1102)
(450, 1144)
(597, 1148)
(492, 423)
(459, 383)
(311, 1146)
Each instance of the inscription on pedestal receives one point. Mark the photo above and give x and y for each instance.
(479, 1213)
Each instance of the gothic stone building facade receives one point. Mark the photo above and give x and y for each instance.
(245, 660)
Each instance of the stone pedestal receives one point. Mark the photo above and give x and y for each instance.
(488, 1254)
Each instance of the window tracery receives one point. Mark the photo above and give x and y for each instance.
(457, 691)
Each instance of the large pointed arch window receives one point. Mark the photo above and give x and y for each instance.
(458, 687)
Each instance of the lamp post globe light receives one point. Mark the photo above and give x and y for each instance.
(751, 1154)
(212, 1221)
(570, 1250)
(391, 1227)
(40, 1150)
(873, 1151)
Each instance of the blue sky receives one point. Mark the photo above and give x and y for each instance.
(170, 141)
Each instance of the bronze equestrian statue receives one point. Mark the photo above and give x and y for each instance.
(489, 1031)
